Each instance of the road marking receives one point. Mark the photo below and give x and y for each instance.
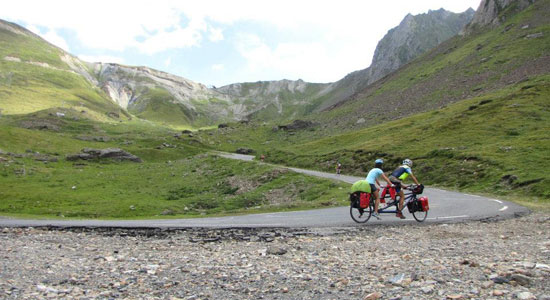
(498, 201)
(437, 218)
(504, 208)
(449, 217)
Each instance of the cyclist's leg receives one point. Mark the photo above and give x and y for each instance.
(398, 191)
(401, 199)
(377, 201)
(376, 194)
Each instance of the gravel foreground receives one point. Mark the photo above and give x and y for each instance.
(507, 259)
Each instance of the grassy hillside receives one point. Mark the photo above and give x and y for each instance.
(33, 77)
(276, 100)
(176, 179)
(159, 106)
(496, 144)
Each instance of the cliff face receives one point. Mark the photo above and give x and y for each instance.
(282, 99)
(125, 84)
(490, 13)
(412, 37)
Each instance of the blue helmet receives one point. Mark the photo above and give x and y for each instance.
(379, 161)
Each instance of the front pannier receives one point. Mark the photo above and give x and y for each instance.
(414, 206)
(424, 205)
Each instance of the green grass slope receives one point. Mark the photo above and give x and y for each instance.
(496, 144)
(158, 105)
(33, 77)
(176, 178)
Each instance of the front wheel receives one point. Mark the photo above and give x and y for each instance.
(420, 216)
(360, 215)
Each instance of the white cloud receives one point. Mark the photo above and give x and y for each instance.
(346, 32)
(218, 67)
(51, 36)
(179, 38)
(255, 51)
(102, 58)
(296, 60)
(115, 25)
(216, 34)
(168, 61)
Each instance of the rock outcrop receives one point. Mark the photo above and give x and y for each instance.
(124, 84)
(109, 153)
(490, 12)
(244, 151)
(297, 125)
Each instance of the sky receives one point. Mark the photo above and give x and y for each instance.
(221, 42)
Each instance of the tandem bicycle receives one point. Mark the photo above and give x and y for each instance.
(362, 204)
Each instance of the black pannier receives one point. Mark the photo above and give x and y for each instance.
(354, 199)
(414, 206)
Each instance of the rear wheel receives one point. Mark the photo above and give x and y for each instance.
(360, 215)
(420, 216)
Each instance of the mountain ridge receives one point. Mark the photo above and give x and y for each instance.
(269, 100)
(445, 75)
(384, 60)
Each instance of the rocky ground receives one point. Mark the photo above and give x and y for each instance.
(479, 260)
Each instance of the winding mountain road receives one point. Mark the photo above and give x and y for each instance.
(445, 207)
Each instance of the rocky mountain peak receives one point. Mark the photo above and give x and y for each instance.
(490, 13)
(415, 35)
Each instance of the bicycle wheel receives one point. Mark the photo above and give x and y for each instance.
(420, 216)
(360, 215)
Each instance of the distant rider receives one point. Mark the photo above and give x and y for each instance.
(397, 178)
(338, 168)
(372, 178)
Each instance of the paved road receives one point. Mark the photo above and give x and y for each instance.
(445, 207)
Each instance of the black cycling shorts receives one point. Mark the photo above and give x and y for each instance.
(397, 186)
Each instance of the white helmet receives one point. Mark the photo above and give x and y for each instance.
(408, 162)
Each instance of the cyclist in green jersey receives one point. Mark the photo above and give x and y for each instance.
(397, 178)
